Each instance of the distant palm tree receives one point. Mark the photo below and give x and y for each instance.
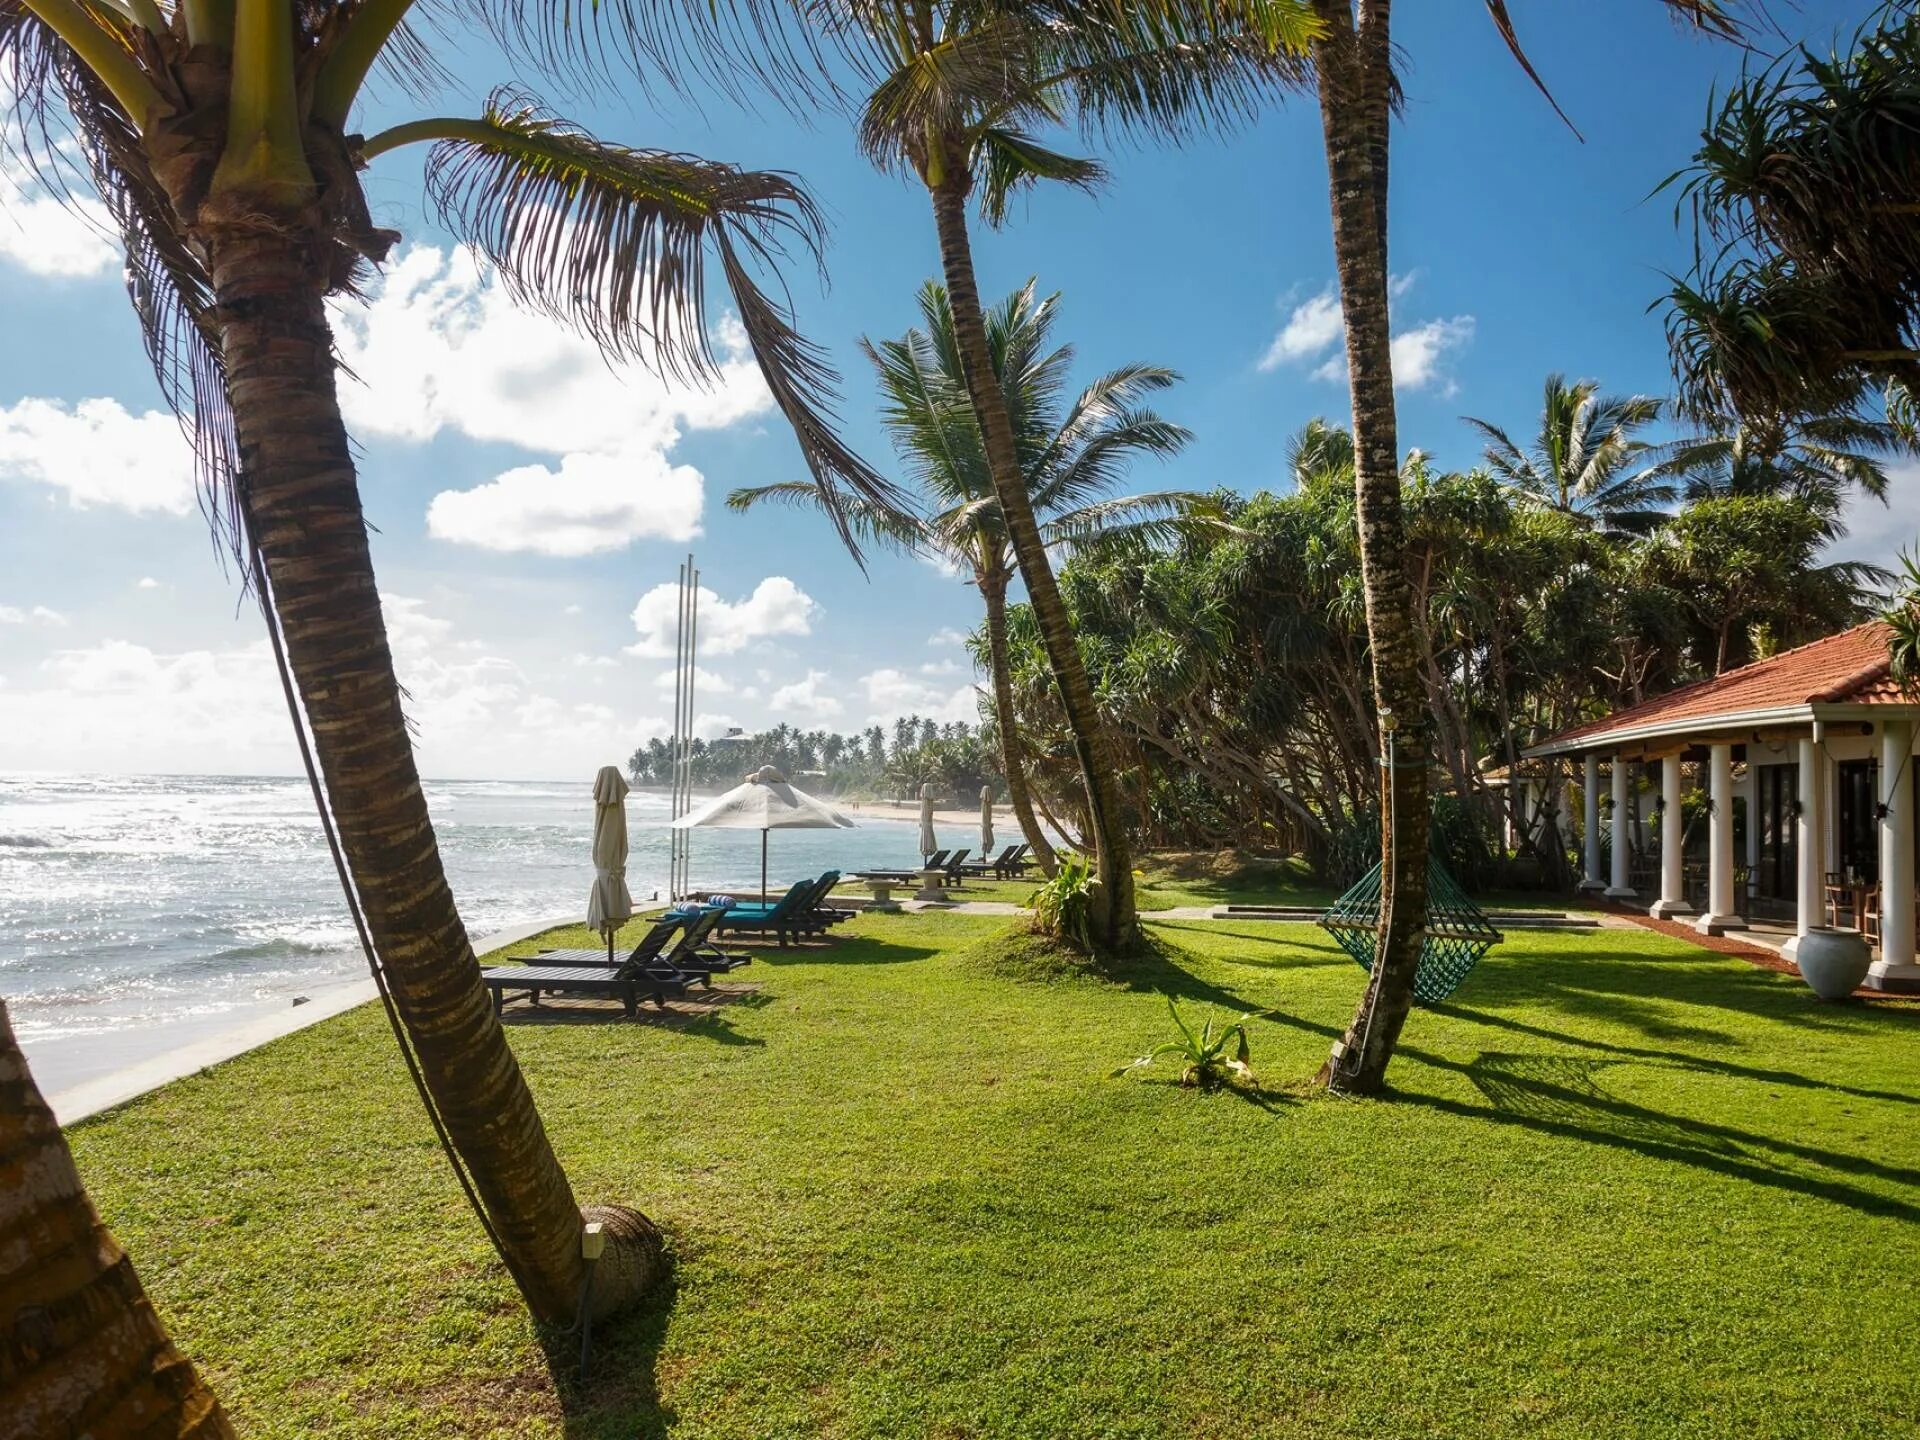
(220, 136)
(1586, 459)
(1071, 457)
(959, 94)
(1817, 460)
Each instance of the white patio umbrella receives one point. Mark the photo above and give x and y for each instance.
(986, 822)
(609, 906)
(766, 801)
(929, 842)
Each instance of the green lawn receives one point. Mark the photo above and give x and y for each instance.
(1627, 1188)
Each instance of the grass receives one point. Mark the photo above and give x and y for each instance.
(1626, 1188)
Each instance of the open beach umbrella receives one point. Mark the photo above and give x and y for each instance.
(986, 822)
(929, 842)
(766, 801)
(610, 906)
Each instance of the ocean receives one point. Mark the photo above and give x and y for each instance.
(139, 912)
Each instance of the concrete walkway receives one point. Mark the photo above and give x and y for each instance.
(103, 1092)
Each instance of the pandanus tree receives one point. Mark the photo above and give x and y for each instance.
(218, 134)
(1353, 62)
(1802, 196)
(1070, 457)
(82, 1350)
(1586, 459)
(959, 91)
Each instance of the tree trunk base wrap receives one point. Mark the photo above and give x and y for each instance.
(82, 1351)
(634, 1263)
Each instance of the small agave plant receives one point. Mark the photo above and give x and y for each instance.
(1207, 1060)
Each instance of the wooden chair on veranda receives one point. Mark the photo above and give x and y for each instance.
(1870, 915)
(1839, 898)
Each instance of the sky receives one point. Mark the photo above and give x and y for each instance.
(531, 504)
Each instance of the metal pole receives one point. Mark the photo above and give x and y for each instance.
(673, 777)
(693, 644)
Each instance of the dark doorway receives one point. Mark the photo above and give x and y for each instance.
(1858, 820)
(1776, 877)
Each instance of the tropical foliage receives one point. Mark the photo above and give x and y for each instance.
(1231, 668)
(1207, 1061)
(956, 758)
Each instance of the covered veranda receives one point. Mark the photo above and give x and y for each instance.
(1811, 751)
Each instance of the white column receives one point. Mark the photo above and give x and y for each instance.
(1722, 907)
(1590, 801)
(1809, 843)
(1895, 969)
(1673, 881)
(1622, 847)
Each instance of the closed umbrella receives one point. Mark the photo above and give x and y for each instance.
(929, 842)
(766, 801)
(609, 906)
(986, 822)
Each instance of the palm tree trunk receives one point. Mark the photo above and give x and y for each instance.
(82, 1351)
(303, 506)
(1115, 918)
(1353, 65)
(993, 590)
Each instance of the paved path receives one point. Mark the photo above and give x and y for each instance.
(103, 1092)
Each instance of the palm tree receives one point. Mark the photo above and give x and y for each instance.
(958, 91)
(1353, 63)
(1817, 460)
(72, 1303)
(1070, 456)
(1583, 459)
(218, 135)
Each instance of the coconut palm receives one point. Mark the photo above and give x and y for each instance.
(71, 1306)
(1818, 461)
(959, 92)
(218, 133)
(1071, 456)
(1586, 458)
(1353, 62)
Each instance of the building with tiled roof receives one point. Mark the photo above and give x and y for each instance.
(1816, 745)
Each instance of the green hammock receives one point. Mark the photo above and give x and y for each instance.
(1458, 934)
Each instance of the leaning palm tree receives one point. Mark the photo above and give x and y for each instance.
(71, 1307)
(218, 134)
(1587, 458)
(1071, 456)
(1353, 61)
(958, 94)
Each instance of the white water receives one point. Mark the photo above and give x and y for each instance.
(137, 912)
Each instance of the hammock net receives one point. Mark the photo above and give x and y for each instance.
(1458, 932)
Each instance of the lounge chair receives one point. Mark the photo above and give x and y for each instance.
(641, 973)
(1019, 865)
(935, 861)
(694, 954)
(786, 919)
(997, 867)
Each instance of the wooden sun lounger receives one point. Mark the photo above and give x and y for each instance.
(626, 983)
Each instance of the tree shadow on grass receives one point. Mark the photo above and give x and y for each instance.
(1154, 963)
(619, 1392)
(1673, 1058)
(1558, 1094)
(835, 950)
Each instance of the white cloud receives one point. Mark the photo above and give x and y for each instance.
(571, 610)
(1310, 328)
(776, 607)
(892, 692)
(36, 615)
(46, 235)
(594, 662)
(706, 726)
(947, 635)
(146, 582)
(1314, 331)
(807, 697)
(940, 667)
(95, 453)
(593, 503)
(705, 682)
(1419, 354)
(440, 346)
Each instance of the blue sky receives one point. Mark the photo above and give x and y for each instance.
(123, 646)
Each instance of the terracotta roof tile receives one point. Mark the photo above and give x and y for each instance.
(1850, 667)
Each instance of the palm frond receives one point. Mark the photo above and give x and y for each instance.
(613, 242)
(1008, 162)
(871, 522)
